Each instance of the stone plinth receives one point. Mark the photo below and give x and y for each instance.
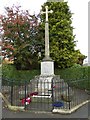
(44, 86)
(47, 68)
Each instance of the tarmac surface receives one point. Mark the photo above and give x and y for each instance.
(82, 112)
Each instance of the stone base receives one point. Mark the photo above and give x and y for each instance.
(44, 87)
(47, 68)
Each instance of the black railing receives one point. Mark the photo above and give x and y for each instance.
(43, 94)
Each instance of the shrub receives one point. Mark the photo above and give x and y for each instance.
(11, 73)
(78, 76)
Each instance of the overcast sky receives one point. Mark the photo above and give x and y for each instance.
(80, 17)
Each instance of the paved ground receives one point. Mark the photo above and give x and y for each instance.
(80, 113)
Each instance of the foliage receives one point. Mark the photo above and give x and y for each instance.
(62, 41)
(23, 37)
(8, 71)
(78, 76)
(79, 57)
(11, 73)
(20, 38)
(76, 66)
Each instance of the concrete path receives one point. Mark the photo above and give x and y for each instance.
(80, 113)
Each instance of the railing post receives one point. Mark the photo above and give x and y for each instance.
(69, 96)
(52, 94)
(12, 92)
(25, 94)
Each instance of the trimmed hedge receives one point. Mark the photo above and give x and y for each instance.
(9, 72)
(76, 76)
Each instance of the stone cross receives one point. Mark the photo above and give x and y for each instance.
(47, 57)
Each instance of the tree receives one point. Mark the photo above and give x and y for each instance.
(21, 34)
(79, 57)
(62, 41)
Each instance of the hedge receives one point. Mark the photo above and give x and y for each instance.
(76, 76)
(9, 72)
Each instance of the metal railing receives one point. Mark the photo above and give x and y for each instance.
(41, 94)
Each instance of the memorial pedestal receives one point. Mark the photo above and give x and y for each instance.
(45, 79)
(47, 68)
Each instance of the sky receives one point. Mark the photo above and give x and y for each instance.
(79, 22)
